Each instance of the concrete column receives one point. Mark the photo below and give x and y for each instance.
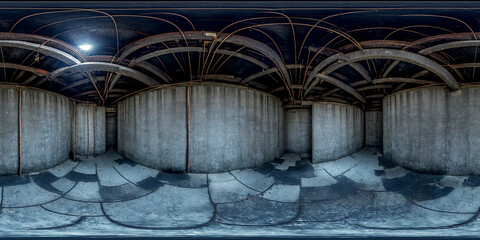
(111, 131)
(298, 130)
(45, 129)
(374, 128)
(281, 132)
(231, 127)
(90, 130)
(337, 130)
(152, 128)
(8, 130)
(433, 130)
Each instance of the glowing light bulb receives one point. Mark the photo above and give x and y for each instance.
(85, 47)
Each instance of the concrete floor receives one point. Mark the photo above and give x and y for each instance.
(356, 196)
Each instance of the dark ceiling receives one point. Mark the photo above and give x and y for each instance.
(351, 52)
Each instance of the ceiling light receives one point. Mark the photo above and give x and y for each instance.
(85, 47)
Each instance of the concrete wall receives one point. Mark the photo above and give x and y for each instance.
(46, 128)
(91, 131)
(152, 128)
(337, 130)
(231, 128)
(298, 130)
(282, 136)
(433, 130)
(111, 131)
(9, 130)
(374, 128)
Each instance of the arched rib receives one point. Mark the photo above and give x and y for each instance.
(45, 50)
(159, 53)
(108, 67)
(145, 65)
(81, 82)
(341, 85)
(269, 71)
(192, 35)
(45, 40)
(333, 58)
(450, 45)
(394, 54)
(375, 44)
(402, 80)
(373, 87)
(36, 71)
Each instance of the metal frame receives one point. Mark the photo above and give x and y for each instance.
(102, 66)
(409, 57)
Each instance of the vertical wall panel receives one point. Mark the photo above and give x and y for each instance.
(298, 130)
(91, 135)
(337, 130)
(433, 130)
(46, 126)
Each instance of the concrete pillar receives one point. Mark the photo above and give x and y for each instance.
(231, 127)
(374, 128)
(337, 130)
(8, 130)
(433, 130)
(45, 129)
(298, 130)
(282, 135)
(90, 130)
(111, 131)
(152, 128)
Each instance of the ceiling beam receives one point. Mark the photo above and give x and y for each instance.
(107, 67)
(45, 50)
(395, 44)
(36, 71)
(373, 87)
(333, 58)
(394, 54)
(80, 82)
(223, 37)
(145, 65)
(162, 52)
(450, 45)
(269, 71)
(44, 40)
(341, 85)
(401, 80)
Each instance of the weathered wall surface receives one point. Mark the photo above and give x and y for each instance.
(111, 131)
(433, 130)
(8, 130)
(90, 130)
(232, 128)
(298, 128)
(282, 133)
(45, 128)
(374, 128)
(337, 130)
(152, 128)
